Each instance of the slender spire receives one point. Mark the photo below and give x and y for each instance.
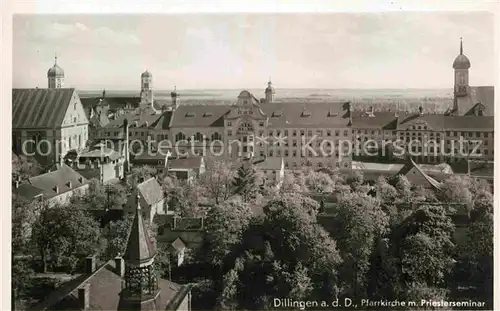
(461, 47)
(269, 83)
(138, 203)
(55, 59)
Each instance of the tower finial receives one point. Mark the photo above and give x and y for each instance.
(461, 47)
(55, 58)
(138, 203)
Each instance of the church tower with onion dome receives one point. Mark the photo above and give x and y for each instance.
(269, 92)
(461, 66)
(461, 88)
(55, 76)
(147, 95)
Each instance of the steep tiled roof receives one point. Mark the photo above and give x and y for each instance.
(140, 248)
(269, 163)
(478, 94)
(380, 120)
(178, 244)
(436, 122)
(410, 165)
(99, 120)
(303, 114)
(469, 122)
(60, 177)
(151, 191)
(199, 115)
(27, 191)
(40, 108)
(439, 122)
(105, 285)
(142, 120)
(100, 152)
(185, 163)
(163, 122)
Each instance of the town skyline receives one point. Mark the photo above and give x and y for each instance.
(241, 51)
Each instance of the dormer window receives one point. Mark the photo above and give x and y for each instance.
(207, 114)
(332, 114)
(189, 114)
(306, 113)
(277, 114)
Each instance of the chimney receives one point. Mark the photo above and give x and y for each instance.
(90, 264)
(84, 296)
(120, 266)
(127, 153)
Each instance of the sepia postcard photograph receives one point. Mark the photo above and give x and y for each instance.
(252, 160)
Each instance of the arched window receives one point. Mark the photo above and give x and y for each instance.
(198, 136)
(180, 136)
(216, 136)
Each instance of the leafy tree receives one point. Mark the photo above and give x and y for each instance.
(224, 226)
(319, 182)
(66, 235)
(356, 179)
(287, 254)
(217, 181)
(24, 215)
(422, 246)
(403, 187)
(385, 192)
(143, 172)
(478, 250)
(290, 184)
(244, 183)
(116, 234)
(359, 222)
(421, 194)
(24, 167)
(184, 198)
(99, 196)
(456, 189)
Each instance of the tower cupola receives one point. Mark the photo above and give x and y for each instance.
(55, 76)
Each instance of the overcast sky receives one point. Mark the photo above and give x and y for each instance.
(334, 50)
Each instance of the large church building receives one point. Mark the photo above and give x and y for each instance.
(309, 134)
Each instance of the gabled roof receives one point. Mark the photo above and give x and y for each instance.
(411, 165)
(61, 176)
(469, 122)
(436, 122)
(40, 108)
(105, 285)
(199, 116)
(27, 191)
(100, 152)
(178, 244)
(99, 120)
(135, 120)
(151, 191)
(269, 163)
(140, 248)
(478, 94)
(304, 114)
(193, 162)
(379, 120)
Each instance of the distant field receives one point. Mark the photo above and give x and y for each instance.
(432, 100)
